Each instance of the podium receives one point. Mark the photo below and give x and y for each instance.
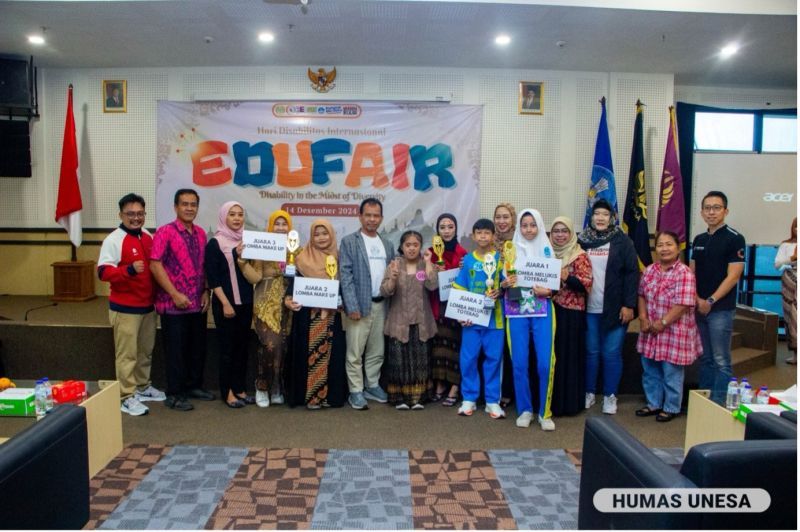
(73, 280)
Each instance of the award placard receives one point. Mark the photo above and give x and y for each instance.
(468, 306)
(539, 271)
(261, 245)
(316, 293)
(446, 279)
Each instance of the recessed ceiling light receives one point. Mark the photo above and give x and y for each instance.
(729, 50)
(266, 37)
(502, 40)
(35, 39)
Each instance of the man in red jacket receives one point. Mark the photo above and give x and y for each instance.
(124, 263)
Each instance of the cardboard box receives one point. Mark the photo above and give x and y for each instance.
(17, 402)
(741, 412)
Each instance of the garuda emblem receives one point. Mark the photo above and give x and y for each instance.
(322, 80)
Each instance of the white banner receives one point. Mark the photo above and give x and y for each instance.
(467, 306)
(320, 160)
(539, 272)
(446, 279)
(316, 293)
(264, 246)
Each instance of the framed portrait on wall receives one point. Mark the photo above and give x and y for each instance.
(531, 97)
(115, 96)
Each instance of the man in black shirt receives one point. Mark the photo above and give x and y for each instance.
(718, 262)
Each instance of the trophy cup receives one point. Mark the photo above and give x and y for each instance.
(489, 267)
(438, 248)
(510, 255)
(292, 245)
(331, 268)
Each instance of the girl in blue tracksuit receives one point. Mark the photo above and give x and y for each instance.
(531, 241)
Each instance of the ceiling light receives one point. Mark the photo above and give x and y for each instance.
(36, 39)
(729, 50)
(502, 40)
(266, 37)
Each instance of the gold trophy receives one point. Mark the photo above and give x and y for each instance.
(509, 256)
(438, 248)
(489, 267)
(292, 245)
(331, 268)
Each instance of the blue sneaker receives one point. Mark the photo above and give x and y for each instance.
(376, 394)
(357, 401)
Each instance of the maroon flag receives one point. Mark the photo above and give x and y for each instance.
(68, 204)
(671, 209)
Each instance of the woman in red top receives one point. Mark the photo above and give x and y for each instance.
(668, 340)
(447, 342)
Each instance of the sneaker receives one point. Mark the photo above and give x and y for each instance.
(402, 406)
(376, 393)
(610, 404)
(466, 408)
(133, 407)
(589, 401)
(150, 394)
(418, 406)
(262, 399)
(547, 424)
(314, 406)
(494, 411)
(176, 402)
(357, 401)
(524, 420)
(277, 399)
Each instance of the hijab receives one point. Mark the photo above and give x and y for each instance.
(590, 237)
(571, 250)
(228, 239)
(451, 244)
(501, 237)
(274, 216)
(311, 260)
(540, 245)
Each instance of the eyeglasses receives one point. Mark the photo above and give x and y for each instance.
(131, 214)
(713, 208)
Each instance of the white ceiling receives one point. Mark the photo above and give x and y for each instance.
(417, 33)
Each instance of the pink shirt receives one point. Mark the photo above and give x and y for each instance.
(181, 253)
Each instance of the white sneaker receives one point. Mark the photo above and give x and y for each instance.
(418, 406)
(589, 401)
(262, 399)
(402, 406)
(467, 408)
(524, 420)
(150, 394)
(610, 404)
(277, 399)
(494, 411)
(133, 407)
(547, 424)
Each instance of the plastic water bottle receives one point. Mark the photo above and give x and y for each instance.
(742, 384)
(40, 399)
(48, 388)
(747, 394)
(732, 397)
(762, 397)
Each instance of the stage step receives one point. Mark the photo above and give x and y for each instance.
(737, 340)
(745, 360)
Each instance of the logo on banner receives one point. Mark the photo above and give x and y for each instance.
(322, 80)
(316, 110)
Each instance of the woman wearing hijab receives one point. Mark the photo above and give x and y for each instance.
(315, 365)
(505, 218)
(535, 321)
(570, 307)
(611, 303)
(232, 304)
(786, 262)
(271, 319)
(447, 342)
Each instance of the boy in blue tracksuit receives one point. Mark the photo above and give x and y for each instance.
(473, 279)
(530, 241)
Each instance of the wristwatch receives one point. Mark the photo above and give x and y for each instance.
(711, 300)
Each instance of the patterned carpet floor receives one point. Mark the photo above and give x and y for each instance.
(188, 487)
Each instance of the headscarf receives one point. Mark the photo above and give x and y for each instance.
(228, 239)
(451, 244)
(540, 245)
(278, 214)
(571, 250)
(501, 237)
(311, 260)
(590, 237)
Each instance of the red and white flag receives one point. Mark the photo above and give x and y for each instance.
(69, 204)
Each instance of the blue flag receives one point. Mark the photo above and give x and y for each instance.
(602, 181)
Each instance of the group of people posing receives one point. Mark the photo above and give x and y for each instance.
(391, 342)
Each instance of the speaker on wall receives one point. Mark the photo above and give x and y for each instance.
(15, 148)
(16, 83)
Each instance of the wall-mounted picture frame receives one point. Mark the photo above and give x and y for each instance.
(115, 96)
(531, 97)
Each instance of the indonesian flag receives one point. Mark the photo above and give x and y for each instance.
(69, 205)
